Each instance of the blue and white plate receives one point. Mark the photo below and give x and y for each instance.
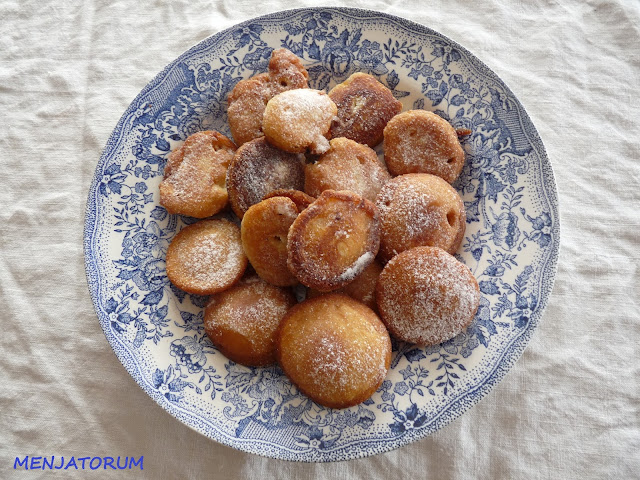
(511, 242)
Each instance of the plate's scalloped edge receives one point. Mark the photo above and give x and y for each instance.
(362, 448)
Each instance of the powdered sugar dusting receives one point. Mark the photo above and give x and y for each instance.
(364, 107)
(194, 182)
(303, 104)
(345, 362)
(421, 141)
(426, 146)
(213, 259)
(258, 169)
(206, 257)
(347, 165)
(320, 145)
(252, 309)
(299, 119)
(426, 296)
(414, 211)
(339, 353)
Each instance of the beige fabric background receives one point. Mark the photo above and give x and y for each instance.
(570, 408)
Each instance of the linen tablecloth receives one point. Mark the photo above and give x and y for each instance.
(569, 408)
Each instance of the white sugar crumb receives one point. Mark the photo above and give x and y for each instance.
(320, 145)
(357, 267)
(366, 299)
(340, 234)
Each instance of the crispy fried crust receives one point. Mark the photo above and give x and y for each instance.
(364, 107)
(206, 257)
(265, 227)
(257, 169)
(333, 240)
(417, 141)
(194, 177)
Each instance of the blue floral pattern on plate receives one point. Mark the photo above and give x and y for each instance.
(511, 243)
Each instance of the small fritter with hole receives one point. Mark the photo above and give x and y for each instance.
(419, 209)
(426, 296)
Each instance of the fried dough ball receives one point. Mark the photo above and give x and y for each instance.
(301, 199)
(333, 240)
(242, 321)
(265, 228)
(248, 98)
(363, 288)
(194, 177)
(257, 169)
(206, 257)
(426, 296)
(418, 141)
(419, 209)
(334, 349)
(347, 165)
(297, 120)
(364, 107)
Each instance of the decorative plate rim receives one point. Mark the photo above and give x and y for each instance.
(454, 408)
